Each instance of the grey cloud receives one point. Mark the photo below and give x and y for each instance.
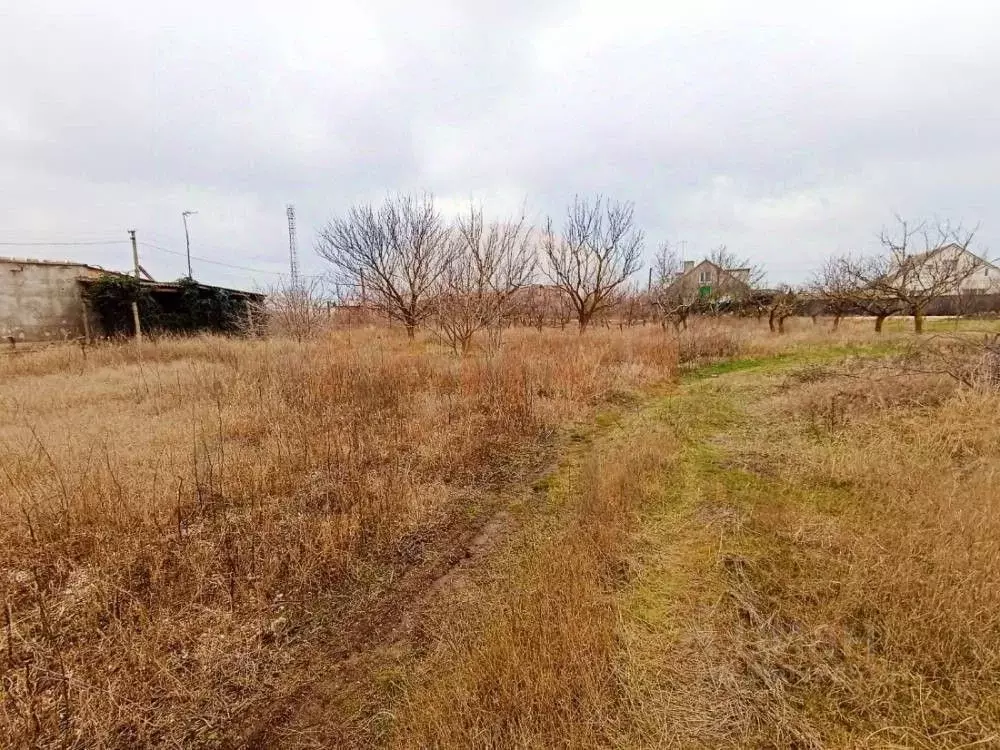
(785, 133)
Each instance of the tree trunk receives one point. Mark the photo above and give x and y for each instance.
(918, 319)
(879, 320)
(770, 321)
(781, 324)
(836, 321)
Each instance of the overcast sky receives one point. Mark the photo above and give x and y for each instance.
(785, 132)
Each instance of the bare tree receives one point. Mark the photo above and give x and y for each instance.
(836, 287)
(531, 306)
(784, 304)
(667, 265)
(937, 267)
(749, 273)
(593, 257)
(633, 306)
(866, 295)
(396, 254)
(298, 310)
(489, 263)
(667, 296)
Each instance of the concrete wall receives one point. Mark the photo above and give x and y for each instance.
(41, 301)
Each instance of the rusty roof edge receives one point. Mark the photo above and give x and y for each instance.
(173, 285)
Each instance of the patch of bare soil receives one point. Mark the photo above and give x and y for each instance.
(338, 693)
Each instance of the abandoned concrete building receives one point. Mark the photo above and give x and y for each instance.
(42, 300)
(45, 300)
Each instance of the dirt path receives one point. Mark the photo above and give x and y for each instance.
(674, 581)
(366, 655)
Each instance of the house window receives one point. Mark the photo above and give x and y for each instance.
(704, 277)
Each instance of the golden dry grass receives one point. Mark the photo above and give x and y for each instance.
(791, 550)
(825, 571)
(172, 529)
(531, 657)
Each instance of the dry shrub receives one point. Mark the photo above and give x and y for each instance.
(832, 401)
(707, 340)
(532, 660)
(878, 623)
(710, 339)
(971, 361)
(174, 528)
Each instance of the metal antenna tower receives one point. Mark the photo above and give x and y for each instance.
(293, 247)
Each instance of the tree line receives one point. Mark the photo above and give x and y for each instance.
(470, 274)
(919, 263)
(462, 277)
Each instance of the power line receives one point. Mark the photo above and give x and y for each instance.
(151, 246)
(63, 244)
(173, 240)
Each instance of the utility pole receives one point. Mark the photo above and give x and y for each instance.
(135, 302)
(187, 238)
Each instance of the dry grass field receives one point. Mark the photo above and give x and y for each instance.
(725, 538)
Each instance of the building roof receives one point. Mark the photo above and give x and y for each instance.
(928, 254)
(40, 262)
(173, 286)
(164, 286)
(732, 273)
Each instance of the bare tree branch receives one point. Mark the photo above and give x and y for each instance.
(924, 262)
(396, 254)
(597, 251)
(489, 262)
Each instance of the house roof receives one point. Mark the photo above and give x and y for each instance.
(164, 286)
(731, 273)
(169, 286)
(912, 262)
(917, 257)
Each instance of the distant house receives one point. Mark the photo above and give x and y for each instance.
(965, 272)
(707, 280)
(45, 300)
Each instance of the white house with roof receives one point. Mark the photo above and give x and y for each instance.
(962, 271)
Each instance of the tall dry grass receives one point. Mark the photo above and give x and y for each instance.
(175, 527)
(918, 610)
(843, 589)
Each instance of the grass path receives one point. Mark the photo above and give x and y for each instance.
(677, 581)
(565, 634)
(768, 604)
(685, 611)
